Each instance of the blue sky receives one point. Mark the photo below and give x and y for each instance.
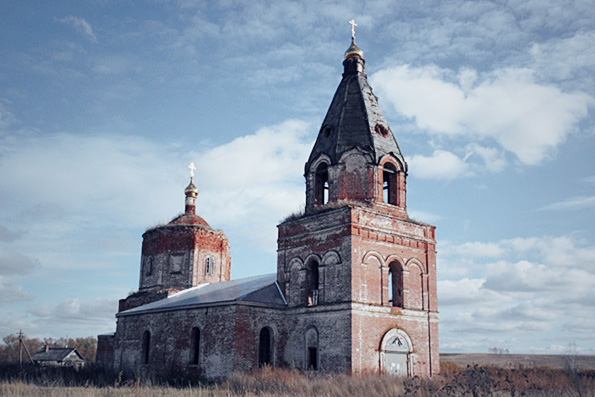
(103, 105)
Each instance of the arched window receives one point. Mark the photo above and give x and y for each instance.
(312, 277)
(210, 266)
(396, 284)
(312, 355)
(265, 347)
(149, 266)
(194, 346)
(321, 187)
(146, 346)
(389, 184)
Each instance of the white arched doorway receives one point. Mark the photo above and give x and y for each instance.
(395, 353)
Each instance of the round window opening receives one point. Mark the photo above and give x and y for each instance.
(382, 130)
(327, 131)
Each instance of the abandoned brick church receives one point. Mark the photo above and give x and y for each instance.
(355, 288)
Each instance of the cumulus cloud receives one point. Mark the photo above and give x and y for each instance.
(256, 178)
(80, 25)
(78, 176)
(10, 293)
(15, 263)
(78, 310)
(565, 58)
(508, 106)
(440, 165)
(549, 287)
(8, 235)
(475, 249)
(249, 183)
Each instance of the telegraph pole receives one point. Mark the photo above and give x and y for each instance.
(21, 346)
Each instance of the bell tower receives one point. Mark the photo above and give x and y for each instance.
(355, 250)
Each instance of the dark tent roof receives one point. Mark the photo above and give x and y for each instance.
(354, 120)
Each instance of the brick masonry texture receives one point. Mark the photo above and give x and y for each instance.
(355, 288)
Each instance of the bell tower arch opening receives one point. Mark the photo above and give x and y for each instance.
(321, 185)
(312, 282)
(390, 192)
(395, 284)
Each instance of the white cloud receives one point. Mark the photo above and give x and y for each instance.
(77, 310)
(16, 263)
(475, 249)
(249, 183)
(8, 235)
(6, 117)
(255, 180)
(10, 293)
(441, 165)
(82, 26)
(546, 291)
(526, 118)
(494, 159)
(573, 203)
(566, 58)
(465, 291)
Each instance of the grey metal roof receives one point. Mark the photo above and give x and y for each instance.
(260, 289)
(353, 117)
(57, 354)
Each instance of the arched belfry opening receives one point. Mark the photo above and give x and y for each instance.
(321, 185)
(312, 283)
(390, 189)
(395, 284)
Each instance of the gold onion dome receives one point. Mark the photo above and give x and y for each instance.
(354, 51)
(191, 190)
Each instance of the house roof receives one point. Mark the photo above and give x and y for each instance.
(57, 354)
(259, 289)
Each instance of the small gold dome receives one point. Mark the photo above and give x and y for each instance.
(191, 190)
(354, 51)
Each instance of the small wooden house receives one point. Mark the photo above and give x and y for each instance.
(59, 357)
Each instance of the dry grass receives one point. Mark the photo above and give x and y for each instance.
(455, 381)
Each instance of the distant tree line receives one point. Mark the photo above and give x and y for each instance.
(10, 348)
(498, 350)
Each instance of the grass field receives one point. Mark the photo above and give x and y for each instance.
(456, 380)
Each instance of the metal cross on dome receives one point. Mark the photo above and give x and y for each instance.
(353, 25)
(192, 169)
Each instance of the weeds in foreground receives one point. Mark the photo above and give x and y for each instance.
(455, 381)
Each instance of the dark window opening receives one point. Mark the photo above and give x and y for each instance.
(149, 266)
(264, 347)
(146, 345)
(396, 284)
(313, 358)
(382, 130)
(312, 283)
(210, 266)
(321, 188)
(389, 184)
(194, 346)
